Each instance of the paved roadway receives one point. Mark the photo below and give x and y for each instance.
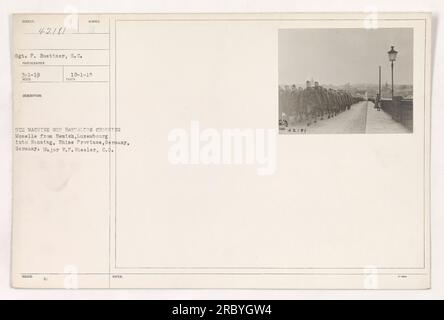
(381, 122)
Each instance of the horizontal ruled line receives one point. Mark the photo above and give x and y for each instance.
(64, 65)
(65, 34)
(39, 49)
(66, 81)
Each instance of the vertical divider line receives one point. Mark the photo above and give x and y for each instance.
(115, 145)
(109, 153)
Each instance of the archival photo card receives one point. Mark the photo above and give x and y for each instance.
(221, 150)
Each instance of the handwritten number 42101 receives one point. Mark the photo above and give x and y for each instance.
(52, 30)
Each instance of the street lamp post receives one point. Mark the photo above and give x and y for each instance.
(392, 57)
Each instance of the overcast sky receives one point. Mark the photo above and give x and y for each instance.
(339, 56)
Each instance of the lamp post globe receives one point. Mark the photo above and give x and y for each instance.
(392, 54)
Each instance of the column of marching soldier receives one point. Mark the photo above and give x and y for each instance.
(298, 105)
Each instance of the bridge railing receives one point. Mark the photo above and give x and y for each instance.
(400, 109)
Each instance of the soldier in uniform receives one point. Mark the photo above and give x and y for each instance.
(342, 104)
(299, 110)
(329, 103)
(281, 100)
(377, 102)
(349, 100)
(319, 101)
(293, 105)
(283, 105)
(337, 102)
(310, 103)
(323, 94)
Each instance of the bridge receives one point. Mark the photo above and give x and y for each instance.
(363, 117)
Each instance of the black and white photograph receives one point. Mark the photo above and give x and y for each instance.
(345, 81)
